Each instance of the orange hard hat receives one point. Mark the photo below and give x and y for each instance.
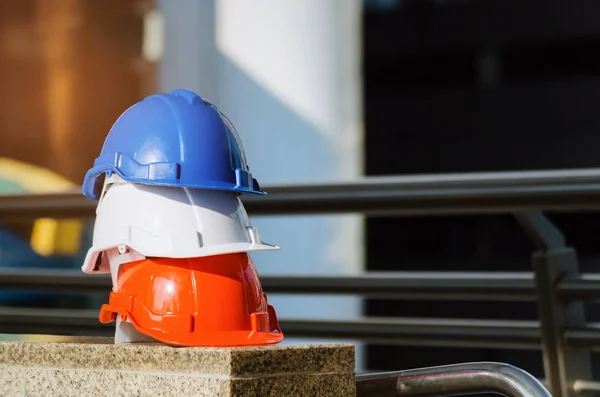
(207, 301)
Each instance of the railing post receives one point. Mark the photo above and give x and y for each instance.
(552, 260)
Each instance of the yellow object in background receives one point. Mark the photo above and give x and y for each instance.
(56, 237)
(49, 236)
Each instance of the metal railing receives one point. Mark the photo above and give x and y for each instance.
(562, 333)
(452, 380)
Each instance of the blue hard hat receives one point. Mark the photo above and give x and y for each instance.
(173, 139)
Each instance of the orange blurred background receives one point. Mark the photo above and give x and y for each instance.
(69, 68)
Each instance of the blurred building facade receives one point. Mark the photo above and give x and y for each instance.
(467, 85)
(69, 68)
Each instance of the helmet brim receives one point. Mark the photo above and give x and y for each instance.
(93, 183)
(93, 265)
(109, 313)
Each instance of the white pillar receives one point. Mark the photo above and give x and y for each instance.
(189, 53)
(287, 73)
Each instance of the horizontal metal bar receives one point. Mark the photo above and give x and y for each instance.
(54, 280)
(415, 285)
(586, 386)
(589, 336)
(19, 320)
(489, 286)
(412, 285)
(486, 192)
(580, 287)
(402, 331)
(405, 331)
(423, 332)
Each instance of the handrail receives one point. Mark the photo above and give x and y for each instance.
(400, 331)
(517, 334)
(522, 194)
(504, 286)
(482, 192)
(452, 380)
(489, 286)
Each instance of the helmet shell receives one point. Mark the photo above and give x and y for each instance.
(176, 139)
(210, 301)
(157, 221)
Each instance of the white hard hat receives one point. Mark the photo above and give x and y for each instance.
(171, 222)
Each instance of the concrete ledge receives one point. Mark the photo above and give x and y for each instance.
(96, 367)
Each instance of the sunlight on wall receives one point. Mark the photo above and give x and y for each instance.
(288, 76)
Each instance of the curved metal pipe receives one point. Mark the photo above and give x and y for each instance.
(452, 380)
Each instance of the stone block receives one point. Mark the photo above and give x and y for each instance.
(95, 367)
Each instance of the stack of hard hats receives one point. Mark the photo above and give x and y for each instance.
(172, 231)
